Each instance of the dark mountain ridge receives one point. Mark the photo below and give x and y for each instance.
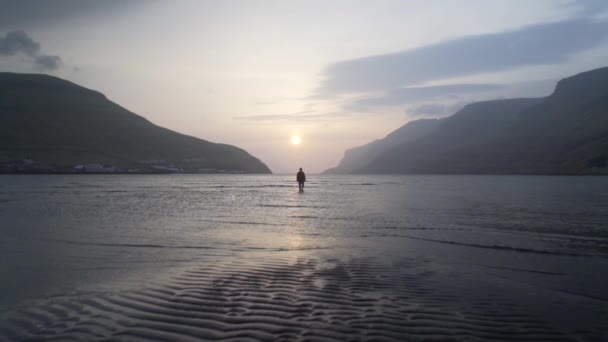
(358, 157)
(60, 124)
(564, 133)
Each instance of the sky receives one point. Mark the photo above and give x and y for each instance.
(338, 74)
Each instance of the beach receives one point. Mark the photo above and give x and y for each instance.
(352, 258)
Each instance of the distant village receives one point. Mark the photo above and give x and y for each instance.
(30, 166)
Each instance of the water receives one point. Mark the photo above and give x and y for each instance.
(537, 242)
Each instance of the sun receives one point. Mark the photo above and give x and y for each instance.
(296, 140)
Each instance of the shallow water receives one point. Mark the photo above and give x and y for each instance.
(477, 257)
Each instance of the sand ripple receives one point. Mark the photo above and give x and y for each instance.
(279, 300)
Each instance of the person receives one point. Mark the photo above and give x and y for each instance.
(301, 177)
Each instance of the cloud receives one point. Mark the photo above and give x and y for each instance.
(265, 103)
(18, 42)
(29, 13)
(401, 96)
(48, 62)
(303, 116)
(540, 44)
(586, 7)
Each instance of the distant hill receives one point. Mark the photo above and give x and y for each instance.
(358, 157)
(564, 133)
(59, 124)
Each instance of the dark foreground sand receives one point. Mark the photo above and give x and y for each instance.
(306, 299)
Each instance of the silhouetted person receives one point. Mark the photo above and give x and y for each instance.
(301, 177)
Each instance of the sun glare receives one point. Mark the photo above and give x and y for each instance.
(296, 140)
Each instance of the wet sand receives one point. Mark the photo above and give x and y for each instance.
(274, 299)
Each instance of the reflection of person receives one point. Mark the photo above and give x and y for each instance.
(301, 179)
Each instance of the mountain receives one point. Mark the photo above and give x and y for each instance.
(358, 157)
(469, 141)
(564, 133)
(59, 124)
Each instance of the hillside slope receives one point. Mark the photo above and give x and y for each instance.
(564, 133)
(58, 123)
(358, 157)
(470, 141)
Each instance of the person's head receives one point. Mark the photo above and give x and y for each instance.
(300, 169)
